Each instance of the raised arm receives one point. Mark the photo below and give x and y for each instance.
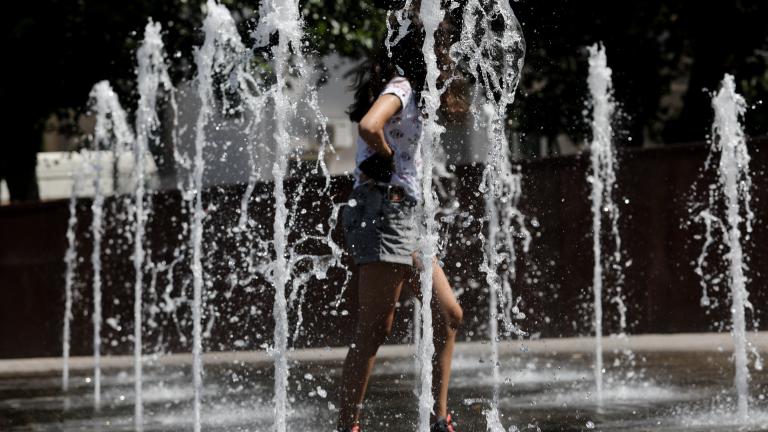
(371, 127)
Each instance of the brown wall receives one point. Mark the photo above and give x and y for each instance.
(554, 280)
(663, 292)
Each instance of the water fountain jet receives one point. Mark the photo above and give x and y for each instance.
(222, 47)
(70, 262)
(151, 74)
(733, 192)
(494, 55)
(602, 179)
(110, 133)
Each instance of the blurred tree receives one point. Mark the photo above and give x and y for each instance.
(57, 49)
(663, 53)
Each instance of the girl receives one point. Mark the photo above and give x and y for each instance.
(380, 223)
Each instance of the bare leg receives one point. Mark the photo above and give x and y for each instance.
(447, 316)
(378, 291)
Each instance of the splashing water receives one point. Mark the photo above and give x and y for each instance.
(250, 89)
(499, 263)
(495, 55)
(222, 46)
(492, 419)
(281, 18)
(396, 33)
(280, 271)
(602, 178)
(729, 150)
(284, 19)
(222, 64)
(151, 73)
(255, 102)
(70, 261)
(431, 14)
(111, 131)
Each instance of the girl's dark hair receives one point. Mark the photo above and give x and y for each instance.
(406, 59)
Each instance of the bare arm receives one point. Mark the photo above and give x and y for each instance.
(371, 127)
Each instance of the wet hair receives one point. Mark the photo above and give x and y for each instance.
(406, 59)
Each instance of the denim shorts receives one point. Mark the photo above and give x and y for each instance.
(380, 226)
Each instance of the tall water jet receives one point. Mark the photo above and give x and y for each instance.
(284, 19)
(505, 221)
(494, 55)
(96, 232)
(221, 48)
(151, 73)
(729, 209)
(70, 261)
(111, 132)
(602, 178)
(431, 14)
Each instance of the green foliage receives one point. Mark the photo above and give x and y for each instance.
(59, 51)
(348, 28)
(663, 53)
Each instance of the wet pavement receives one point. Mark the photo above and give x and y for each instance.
(664, 391)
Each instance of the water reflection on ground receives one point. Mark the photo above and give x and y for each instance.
(662, 392)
